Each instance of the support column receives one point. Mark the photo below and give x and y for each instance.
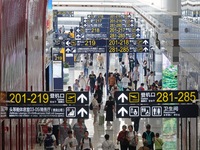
(158, 66)
(172, 5)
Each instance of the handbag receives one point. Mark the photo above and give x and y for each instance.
(132, 142)
(105, 107)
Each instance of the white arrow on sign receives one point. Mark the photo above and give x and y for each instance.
(82, 97)
(123, 111)
(82, 111)
(123, 97)
(138, 29)
(145, 49)
(145, 42)
(78, 30)
(78, 36)
(137, 35)
(68, 43)
(68, 50)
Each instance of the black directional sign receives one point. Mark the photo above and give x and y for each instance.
(136, 97)
(48, 112)
(38, 98)
(63, 13)
(95, 46)
(157, 111)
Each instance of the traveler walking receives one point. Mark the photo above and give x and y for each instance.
(122, 138)
(149, 136)
(79, 130)
(107, 144)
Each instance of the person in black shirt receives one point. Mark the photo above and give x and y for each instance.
(99, 92)
(100, 81)
(92, 80)
(131, 62)
(117, 76)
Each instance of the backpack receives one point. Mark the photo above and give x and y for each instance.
(148, 138)
(91, 106)
(123, 70)
(48, 142)
(83, 143)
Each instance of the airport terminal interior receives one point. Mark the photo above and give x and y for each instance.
(75, 73)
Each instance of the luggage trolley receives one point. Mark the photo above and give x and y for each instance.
(42, 131)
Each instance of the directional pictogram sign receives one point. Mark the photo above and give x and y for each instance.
(122, 112)
(145, 111)
(134, 111)
(48, 112)
(48, 104)
(156, 111)
(122, 97)
(137, 97)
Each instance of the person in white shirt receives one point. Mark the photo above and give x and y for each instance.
(136, 77)
(107, 144)
(125, 80)
(95, 105)
(70, 142)
(86, 143)
(150, 80)
(82, 81)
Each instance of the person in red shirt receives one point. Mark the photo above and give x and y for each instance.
(123, 139)
(141, 88)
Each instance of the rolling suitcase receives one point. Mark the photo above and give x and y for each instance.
(101, 119)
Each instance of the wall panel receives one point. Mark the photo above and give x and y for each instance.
(22, 28)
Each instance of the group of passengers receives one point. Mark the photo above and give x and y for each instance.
(77, 138)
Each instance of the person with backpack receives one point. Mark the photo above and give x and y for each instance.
(86, 142)
(158, 142)
(49, 140)
(132, 138)
(70, 142)
(149, 137)
(107, 144)
(122, 138)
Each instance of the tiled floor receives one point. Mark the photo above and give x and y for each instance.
(97, 132)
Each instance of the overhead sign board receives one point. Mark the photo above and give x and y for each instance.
(59, 13)
(137, 97)
(38, 98)
(157, 111)
(48, 112)
(95, 46)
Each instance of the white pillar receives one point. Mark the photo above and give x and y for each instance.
(172, 5)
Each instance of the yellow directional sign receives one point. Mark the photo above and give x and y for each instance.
(70, 98)
(134, 97)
